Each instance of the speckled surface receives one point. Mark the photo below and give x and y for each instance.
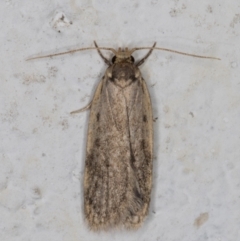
(196, 184)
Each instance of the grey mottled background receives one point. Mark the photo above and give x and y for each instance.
(196, 185)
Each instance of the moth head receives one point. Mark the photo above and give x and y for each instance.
(116, 59)
(123, 55)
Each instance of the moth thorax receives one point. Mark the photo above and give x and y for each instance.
(123, 74)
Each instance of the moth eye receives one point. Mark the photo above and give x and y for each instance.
(114, 59)
(132, 59)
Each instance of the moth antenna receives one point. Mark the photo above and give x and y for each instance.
(102, 56)
(147, 55)
(71, 52)
(193, 55)
(175, 51)
(62, 53)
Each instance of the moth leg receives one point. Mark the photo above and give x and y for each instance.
(82, 109)
(100, 53)
(147, 55)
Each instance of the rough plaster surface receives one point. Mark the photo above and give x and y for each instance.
(196, 184)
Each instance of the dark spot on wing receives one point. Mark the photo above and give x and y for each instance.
(143, 144)
(90, 201)
(97, 143)
(145, 118)
(132, 161)
(90, 160)
(98, 116)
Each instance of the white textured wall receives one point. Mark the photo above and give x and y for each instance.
(196, 189)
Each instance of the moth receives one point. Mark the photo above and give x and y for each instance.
(119, 153)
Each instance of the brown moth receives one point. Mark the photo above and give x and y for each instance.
(119, 156)
(118, 169)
